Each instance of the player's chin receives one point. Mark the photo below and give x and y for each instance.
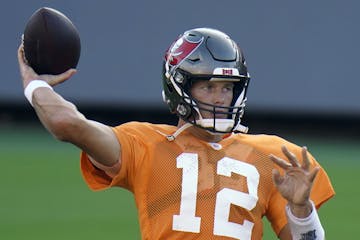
(208, 115)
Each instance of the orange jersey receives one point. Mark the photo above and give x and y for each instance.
(191, 189)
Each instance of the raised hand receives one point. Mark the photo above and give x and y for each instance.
(28, 74)
(296, 182)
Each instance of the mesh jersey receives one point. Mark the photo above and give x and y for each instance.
(191, 189)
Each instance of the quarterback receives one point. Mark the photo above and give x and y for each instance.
(205, 178)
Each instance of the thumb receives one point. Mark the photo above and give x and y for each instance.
(57, 79)
(276, 177)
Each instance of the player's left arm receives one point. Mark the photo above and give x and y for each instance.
(295, 186)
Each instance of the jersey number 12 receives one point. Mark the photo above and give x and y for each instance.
(186, 221)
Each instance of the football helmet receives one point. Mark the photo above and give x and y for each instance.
(205, 54)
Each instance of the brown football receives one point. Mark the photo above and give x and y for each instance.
(51, 42)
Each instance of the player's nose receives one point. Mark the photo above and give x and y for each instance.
(218, 97)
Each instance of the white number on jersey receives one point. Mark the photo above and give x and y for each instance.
(187, 221)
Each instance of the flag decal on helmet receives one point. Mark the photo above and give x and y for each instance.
(180, 50)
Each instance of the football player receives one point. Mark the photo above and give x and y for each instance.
(205, 178)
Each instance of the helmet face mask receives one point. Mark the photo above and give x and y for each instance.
(205, 54)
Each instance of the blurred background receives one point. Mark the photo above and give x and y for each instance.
(302, 57)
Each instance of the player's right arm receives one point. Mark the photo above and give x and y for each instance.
(62, 119)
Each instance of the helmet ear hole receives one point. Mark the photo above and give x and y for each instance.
(184, 110)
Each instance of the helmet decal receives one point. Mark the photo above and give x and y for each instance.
(226, 71)
(181, 49)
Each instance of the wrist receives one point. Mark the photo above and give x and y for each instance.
(308, 227)
(301, 210)
(32, 86)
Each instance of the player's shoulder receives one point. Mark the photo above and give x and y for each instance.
(261, 138)
(145, 128)
(266, 143)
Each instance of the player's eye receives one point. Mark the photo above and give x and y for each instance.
(228, 87)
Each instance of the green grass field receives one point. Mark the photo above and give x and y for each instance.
(43, 195)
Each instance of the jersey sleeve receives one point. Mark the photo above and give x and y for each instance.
(131, 148)
(95, 178)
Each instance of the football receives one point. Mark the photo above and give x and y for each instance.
(51, 42)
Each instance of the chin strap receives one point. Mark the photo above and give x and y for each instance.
(221, 126)
(241, 128)
(173, 136)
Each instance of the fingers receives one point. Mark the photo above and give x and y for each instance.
(20, 55)
(292, 158)
(294, 163)
(314, 173)
(28, 74)
(280, 162)
(306, 161)
(20, 50)
(284, 164)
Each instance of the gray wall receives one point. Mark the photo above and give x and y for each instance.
(302, 55)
